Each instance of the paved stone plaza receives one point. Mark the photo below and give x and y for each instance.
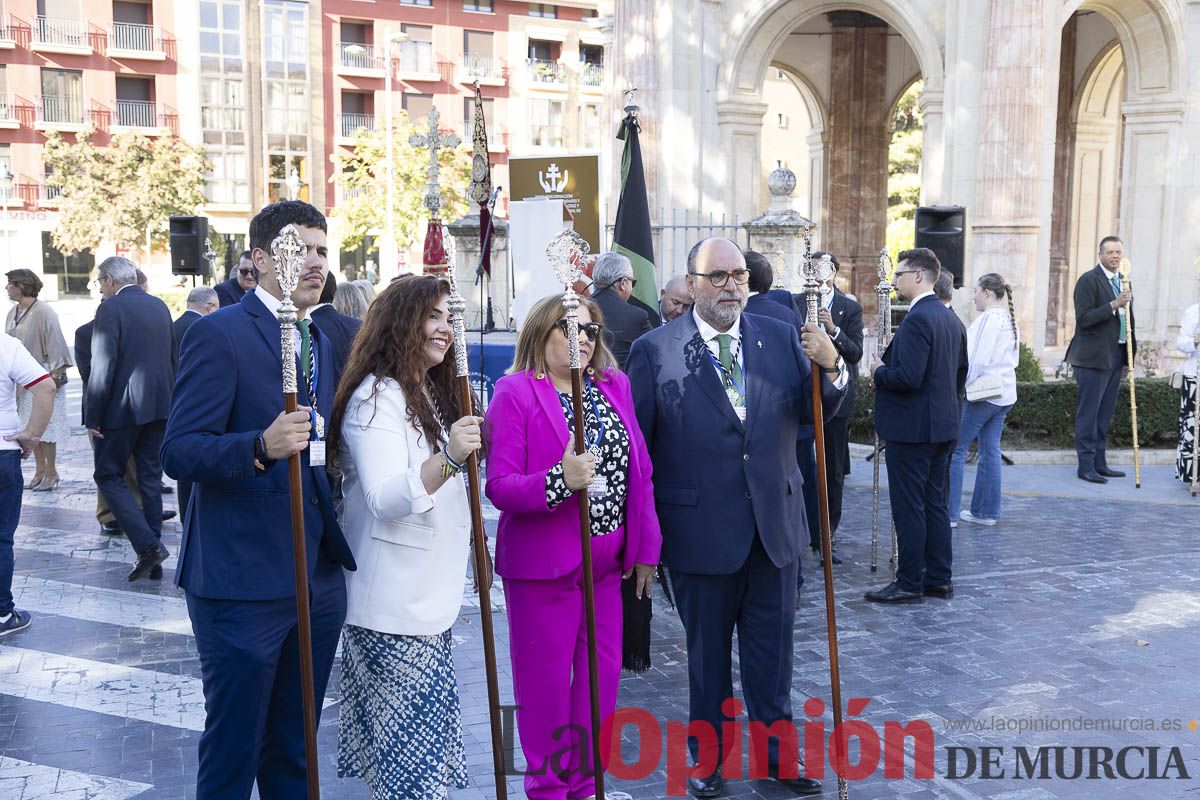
(1081, 608)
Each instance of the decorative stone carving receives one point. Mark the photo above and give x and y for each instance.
(779, 233)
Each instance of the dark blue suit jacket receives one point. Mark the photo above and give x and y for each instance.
(765, 305)
(924, 370)
(340, 330)
(847, 315)
(230, 292)
(237, 533)
(716, 481)
(133, 361)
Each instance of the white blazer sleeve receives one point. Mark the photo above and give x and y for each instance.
(377, 435)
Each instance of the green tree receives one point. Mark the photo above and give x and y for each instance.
(904, 170)
(363, 175)
(117, 193)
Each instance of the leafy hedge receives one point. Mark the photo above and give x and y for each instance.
(1044, 416)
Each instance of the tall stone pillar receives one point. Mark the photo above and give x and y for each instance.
(1057, 306)
(934, 191)
(1007, 224)
(858, 146)
(635, 65)
(740, 123)
(465, 233)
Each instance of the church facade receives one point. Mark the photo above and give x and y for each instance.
(1053, 122)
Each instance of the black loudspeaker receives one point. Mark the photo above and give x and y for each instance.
(188, 237)
(943, 229)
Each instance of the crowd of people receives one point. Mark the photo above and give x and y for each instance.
(698, 458)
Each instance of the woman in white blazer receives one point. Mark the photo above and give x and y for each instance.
(401, 440)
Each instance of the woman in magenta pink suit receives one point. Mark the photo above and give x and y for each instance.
(532, 477)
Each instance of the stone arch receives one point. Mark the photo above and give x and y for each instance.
(815, 141)
(1150, 33)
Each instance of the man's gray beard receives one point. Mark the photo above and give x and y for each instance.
(719, 316)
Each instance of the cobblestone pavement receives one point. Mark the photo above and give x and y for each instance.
(1076, 610)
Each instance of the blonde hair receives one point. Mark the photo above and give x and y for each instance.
(530, 355)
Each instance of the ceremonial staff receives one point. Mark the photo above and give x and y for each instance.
(466, 401)
(1196, 416)
(883, 327)
(1127, 318)
(566, 252)
(287, 251)
(812, 289)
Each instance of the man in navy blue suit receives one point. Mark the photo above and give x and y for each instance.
(201, 302)
(917, 391)
(719, 396)
(228, 435)
(128, 397)
(243, 278)
(339, 328)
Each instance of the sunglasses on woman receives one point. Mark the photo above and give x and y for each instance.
(591, 329)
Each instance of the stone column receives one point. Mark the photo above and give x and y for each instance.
(740, 123)
(1057, 306)
(635, 64)
(779, 233)
(933, 149)
(858, 147)
(465, 233)
(1008, 221)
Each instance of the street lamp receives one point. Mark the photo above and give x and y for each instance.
(387, 256)
(6, 183)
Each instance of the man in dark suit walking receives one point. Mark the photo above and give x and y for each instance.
(841, 317)
(128, 398)
(612, 286)
(243, 279)
(201, 302)
(1103, 320)
(917, 409)
(339, 328)
(228, 434)
(714, 389)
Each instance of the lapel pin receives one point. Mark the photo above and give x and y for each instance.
(760, 344)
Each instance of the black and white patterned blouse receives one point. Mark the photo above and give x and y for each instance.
(612, 460)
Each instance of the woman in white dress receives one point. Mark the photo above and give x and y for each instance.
(36, 326)
(401, 440)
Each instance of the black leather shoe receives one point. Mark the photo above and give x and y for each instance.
(111, 528)
(892, 593)
(1109, 473)
(1091, 477)
(836, 558)
(155, 573)
(945, 591)
(152, 557)
(800, 785)
(168, 515)
(712, 786)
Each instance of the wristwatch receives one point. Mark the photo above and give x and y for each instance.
(837, 367)
(260, 451)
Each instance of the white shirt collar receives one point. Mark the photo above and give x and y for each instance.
(123, 288)
(919, 298)
(709, 333)
(272, 303)
(318, 305)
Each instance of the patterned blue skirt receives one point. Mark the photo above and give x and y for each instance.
(400, 725)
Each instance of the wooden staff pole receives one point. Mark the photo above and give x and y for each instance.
(287, 252)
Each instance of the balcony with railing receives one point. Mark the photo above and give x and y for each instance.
(355, 58)
(488, 70)
(417, 61)
(7, 38)
(144, 116)
(350, 124)
(57, 35)
(591, 76)
(131, 40)
(546, 74)
(60, 113)
(8, 111)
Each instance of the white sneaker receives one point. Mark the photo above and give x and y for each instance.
(967, 516)
(953, 523)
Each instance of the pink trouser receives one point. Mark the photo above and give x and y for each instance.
(548, 649)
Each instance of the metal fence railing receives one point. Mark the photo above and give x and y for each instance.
(53, 30)
(591, 74)
(354, 55)
(477, 66)
(351, 124)
(60, 110)
(678, 230)
(546, 71)
(132, 36)
(137, 113)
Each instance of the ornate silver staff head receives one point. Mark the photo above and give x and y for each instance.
(287, 251)
(458, 307)
(883, 269)
(566, 252)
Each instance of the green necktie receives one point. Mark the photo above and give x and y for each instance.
(305, 348)
(1116, 284)
(731, 367)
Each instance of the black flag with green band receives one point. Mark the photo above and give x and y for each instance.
(631, 234)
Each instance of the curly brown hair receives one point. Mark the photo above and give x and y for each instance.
(390, 345)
